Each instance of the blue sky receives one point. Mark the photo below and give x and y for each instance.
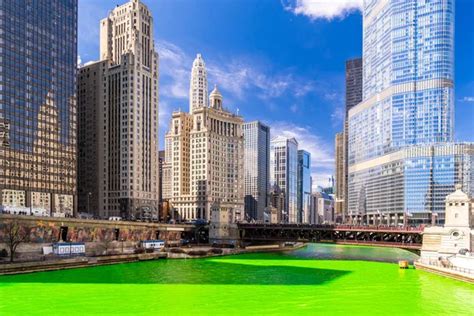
(281, 62)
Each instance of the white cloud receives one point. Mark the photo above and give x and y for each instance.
(467, 99)
(323, 9)
(322, 157)
(175, 65)
(235, 76)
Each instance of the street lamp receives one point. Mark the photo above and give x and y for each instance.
(88, 202)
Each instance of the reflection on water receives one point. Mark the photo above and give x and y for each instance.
(347, 252)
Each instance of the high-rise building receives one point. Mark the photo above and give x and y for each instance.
(340, 177)
(118, 118)
(408, 95)
(204, 153)
(354, 78)
(304, 186)
(413, 181)
(284, 174)
(256, 169)
(38, 59)
(321, 208)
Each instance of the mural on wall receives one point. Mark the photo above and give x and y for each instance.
(43, 231)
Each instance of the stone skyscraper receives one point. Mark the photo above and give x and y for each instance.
(38, 59)
(198, 91)
(340, 176)
(400, 160)
(120, 94)
(204, 154)
(256, 168)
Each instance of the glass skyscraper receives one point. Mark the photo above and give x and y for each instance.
(408, 95)
(38, 58)
(304, 186)
(256, 168)
(284, 174)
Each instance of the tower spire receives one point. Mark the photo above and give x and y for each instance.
(198, 92)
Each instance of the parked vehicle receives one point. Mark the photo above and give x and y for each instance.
(115, 218)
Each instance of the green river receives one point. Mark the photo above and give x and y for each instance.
(318, 279)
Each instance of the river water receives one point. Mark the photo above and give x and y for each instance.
(318, 279)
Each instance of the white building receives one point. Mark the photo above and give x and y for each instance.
(453, 244)
(321, 208)
(204, 153)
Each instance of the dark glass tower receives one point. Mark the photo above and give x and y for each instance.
(38, 57)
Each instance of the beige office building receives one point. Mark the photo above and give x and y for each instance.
(118, 118)
(204, 153)
(340, 176)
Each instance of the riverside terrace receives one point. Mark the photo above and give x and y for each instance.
(399, 237)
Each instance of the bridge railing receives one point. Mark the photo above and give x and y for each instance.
(336, 227)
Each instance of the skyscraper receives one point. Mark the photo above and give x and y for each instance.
(354, 78)
(354, 75)
(120, 93)
(304, 186)
(38, 59)
(340, 177)
(408, 94)
(256, 168)
(198, 91)
(204, 153)
(284, 174)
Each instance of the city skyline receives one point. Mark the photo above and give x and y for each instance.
(266, 83)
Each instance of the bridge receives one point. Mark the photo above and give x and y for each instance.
(385, 236)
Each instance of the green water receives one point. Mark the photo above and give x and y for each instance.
(298, 282)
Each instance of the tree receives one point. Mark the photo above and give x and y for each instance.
(14, 236)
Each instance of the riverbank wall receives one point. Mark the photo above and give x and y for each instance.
(188, 253)
(446, 272)
(100, 236)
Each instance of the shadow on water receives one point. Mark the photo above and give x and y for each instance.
(185, 272)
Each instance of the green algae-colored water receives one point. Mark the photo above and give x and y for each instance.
(315, 280)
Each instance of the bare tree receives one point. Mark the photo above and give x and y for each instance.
(107, 244)
(14, 236)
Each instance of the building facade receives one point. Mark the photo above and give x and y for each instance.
(412, 181)
(353, 96)
(256, 169)
(304, 186)
(204, 153)
(38, 59)
(284, 174)
(408, 95)
(120, 93)
(340, 177)
(321, 208)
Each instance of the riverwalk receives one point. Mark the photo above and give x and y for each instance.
(169, 253)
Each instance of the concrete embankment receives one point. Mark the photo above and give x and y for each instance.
(77, 262)
(446, 272)
(171, 253)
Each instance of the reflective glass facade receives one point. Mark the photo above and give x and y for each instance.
(408, 73)
(284, 174)
(38, 58)
(256, 168)
(400, 158)
(414, 180)
(304, 186)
